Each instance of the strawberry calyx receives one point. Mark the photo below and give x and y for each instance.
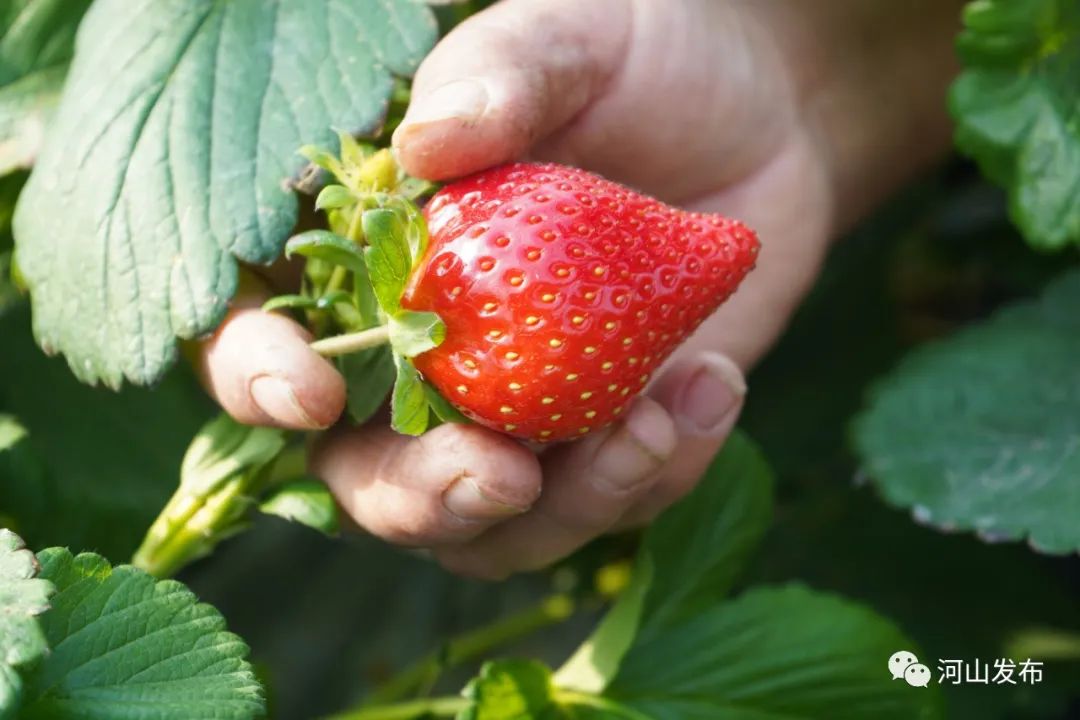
(355, 273)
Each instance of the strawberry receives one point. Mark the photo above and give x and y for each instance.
(562, 293)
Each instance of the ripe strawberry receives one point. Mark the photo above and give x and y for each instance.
(562, 293)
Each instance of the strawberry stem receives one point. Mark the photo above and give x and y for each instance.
(352, 342)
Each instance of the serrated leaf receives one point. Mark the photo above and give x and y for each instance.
(22, 597)
(388, 257)
(413, 333)
(127, 646)
(333, 197)
(327, 246)
(97, 465)
(408, 405)
(170, 156)
(1015, 107)
(785, 652)
(688, 561)
(982, 431)
(304, 501)
(37, 40)
(369, 377)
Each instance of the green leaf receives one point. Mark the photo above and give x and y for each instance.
(369, 376)
(127, 646)
(785, 652)
(409, 405)
(333, 197)
(97, 465)
(323, 158)
(699, 546)
(688, 560)
(413, 333)
(980, 431)
(442, 408)
(388, 256)
(509, 690)
(325, 245)
(37, 40)
(1015, 107)
(22, 597)
(523, 690)
(171, 155)
(304, 501)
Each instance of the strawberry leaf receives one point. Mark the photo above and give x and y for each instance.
(171, 155)
(305, 501)
(124, 645)
(369, 376)
(413, 333)
(774, 652)
(409, 405)
(680, 572)
(980, 431)
(333, 197)
(389, 259)
(23, 596)
(325, 245)
(1015, 106)
(523, 690)
(37, 40)
(509, 690)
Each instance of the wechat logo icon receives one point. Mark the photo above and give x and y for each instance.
(904, 665)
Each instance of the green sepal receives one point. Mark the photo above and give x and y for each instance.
(323, 158)
(364, 300)
(409, 410)
(369, 376)
(333, 197)
(327, 246)
(415, 188)
(414, 333)
(388, 257)
(442, 408)
(306, 501)
(353, 152)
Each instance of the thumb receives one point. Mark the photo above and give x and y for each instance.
(507, 77)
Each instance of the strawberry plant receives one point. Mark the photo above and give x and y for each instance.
(904, 477)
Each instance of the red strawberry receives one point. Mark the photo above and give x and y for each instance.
(562, 293)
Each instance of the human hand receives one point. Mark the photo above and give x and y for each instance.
(731, 107)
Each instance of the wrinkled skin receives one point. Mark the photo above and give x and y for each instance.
(796, 117)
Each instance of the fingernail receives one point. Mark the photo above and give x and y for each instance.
(463, 100)
(636, 449)
(713, 392)
(466, 500)
(276, 398)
